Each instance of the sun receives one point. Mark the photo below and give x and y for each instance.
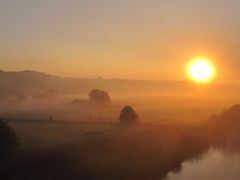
(201, 70)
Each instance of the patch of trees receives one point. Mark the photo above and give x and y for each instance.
(96, 97)
(8, 140)
(225, 127)
(228, 119)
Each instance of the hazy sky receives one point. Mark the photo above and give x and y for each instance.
(144, 39)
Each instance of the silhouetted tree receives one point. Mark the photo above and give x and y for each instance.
(8, 139)
(225, 126)
(128, 115)
(99, 97)
(229, 118)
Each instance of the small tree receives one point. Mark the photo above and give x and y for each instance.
(128, 115)
(99, 97)
(8, 139)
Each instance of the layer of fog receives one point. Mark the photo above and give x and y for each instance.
(164, 108)
(34, 95)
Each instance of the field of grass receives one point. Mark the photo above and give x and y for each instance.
(103, 151)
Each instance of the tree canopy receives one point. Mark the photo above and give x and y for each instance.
(99, 97)
(128, 115)
(8, 139)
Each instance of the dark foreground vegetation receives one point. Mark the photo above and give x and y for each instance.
(142, 151)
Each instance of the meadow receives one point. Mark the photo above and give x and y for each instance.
(53, 150)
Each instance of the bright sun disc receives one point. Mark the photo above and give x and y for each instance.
(201, 70)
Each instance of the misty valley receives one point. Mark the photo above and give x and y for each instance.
(119, 90)
(160, 130)
(38, 96)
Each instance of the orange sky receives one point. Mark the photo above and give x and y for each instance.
(127, 39)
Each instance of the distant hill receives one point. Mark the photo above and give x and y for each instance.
(31, 82)
(15, 83)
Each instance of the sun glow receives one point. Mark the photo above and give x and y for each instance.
(201, 70)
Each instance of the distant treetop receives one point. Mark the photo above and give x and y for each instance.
(128, 115)
(97, 96)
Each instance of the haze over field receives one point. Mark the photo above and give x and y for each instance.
(35, 95)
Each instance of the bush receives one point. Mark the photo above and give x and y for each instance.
(128, 115)
(8, 140)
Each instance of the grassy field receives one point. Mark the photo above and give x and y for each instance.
(52, 150)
